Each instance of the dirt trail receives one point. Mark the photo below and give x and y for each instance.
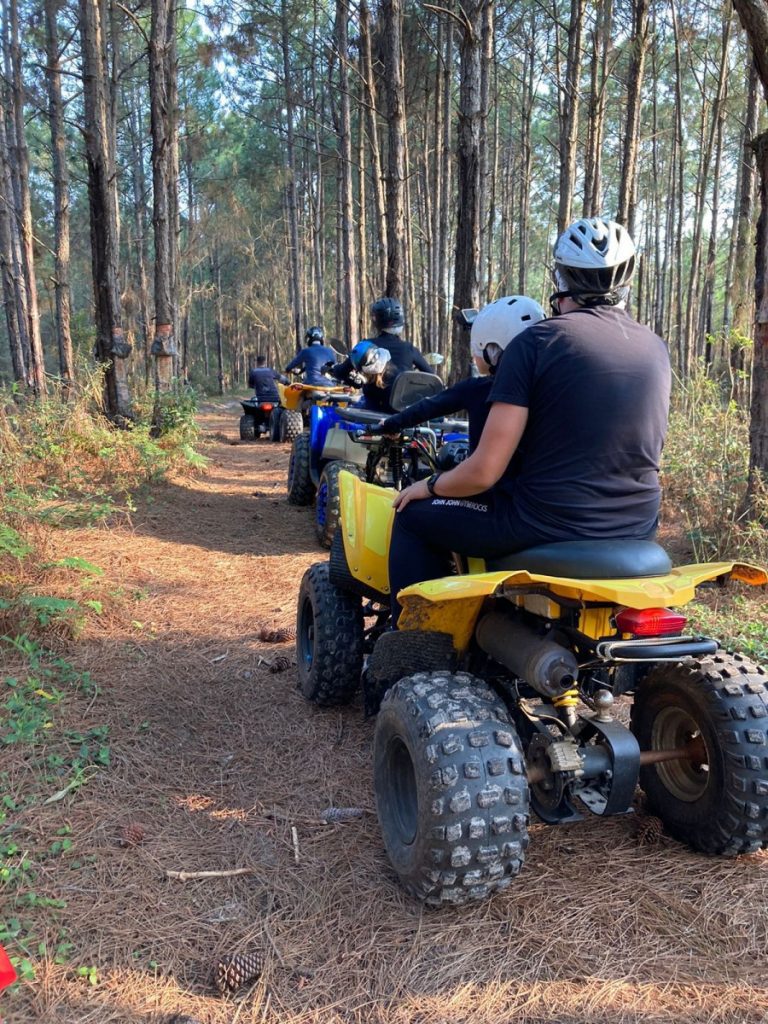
(226, 766)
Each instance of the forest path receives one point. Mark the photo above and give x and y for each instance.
(225, 766)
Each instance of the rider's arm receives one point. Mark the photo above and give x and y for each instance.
(443, 404)
(485, 466)
(420, 362)
(280, 377)
(340, 370)
(296, 363)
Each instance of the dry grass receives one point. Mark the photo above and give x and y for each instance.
(218, 759)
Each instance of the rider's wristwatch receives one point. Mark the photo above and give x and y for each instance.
(431, 481)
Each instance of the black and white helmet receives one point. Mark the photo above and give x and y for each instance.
(595, 261)
(501, 321)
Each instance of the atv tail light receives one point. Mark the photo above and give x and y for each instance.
(650, 621)
(267, 406)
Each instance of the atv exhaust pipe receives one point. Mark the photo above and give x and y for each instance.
(548, 667)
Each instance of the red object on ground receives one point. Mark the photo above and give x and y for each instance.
(7, 973)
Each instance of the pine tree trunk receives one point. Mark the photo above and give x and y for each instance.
(380, 236)
(290, 185)
(60, 199)
(758, 430)
(627, 188)
(569, 123)
(601, 44)
(20, 172)
(348, 271)
(392, 27)
(471, 124)
(162, 91)
(112, 348)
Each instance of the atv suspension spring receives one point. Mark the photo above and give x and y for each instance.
(396, 466)
(565, 704)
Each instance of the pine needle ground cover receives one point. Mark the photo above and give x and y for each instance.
(218, 765)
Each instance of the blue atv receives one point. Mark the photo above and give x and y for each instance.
(336, 441)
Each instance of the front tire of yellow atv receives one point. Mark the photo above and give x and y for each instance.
(291, 424)
(451, 791)
(301, 490)
(329, 639)
(716, 802)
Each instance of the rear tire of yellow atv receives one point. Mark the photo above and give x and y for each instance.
(719, 803)
(451, 791)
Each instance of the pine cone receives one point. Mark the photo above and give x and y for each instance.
(334, 814)
(280, 665)
(277, 634)
(235, 970)
(131, 834)
(649, 830)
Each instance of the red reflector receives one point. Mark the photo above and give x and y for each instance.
(267, 406)
(650, 621)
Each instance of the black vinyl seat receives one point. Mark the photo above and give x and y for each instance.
(589, 559)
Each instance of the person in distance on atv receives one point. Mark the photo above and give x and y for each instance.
(588, 392)
(492, 330)
(313, 358)
(262, 379)
(370, 368)
(387, 316)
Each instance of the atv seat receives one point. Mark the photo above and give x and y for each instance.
(589, 559)
(411, 386)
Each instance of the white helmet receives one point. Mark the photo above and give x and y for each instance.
(594, 258)
(501, 321)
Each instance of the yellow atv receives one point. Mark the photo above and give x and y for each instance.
(556, 680)
(295, 402)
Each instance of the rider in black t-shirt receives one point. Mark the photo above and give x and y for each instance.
(587, 392)
(262, 379)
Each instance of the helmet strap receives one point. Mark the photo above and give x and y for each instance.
(555, 297)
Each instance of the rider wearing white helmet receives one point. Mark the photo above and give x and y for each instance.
(494, 327)
(581, 400)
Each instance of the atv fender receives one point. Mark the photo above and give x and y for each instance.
(452, 605)
(366, 517)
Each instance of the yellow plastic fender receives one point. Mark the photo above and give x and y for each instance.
(452, 605)
(292, 395)
(366, 517)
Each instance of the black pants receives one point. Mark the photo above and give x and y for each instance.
(426, 532)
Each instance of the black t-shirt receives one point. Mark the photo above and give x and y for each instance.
(262, 380)
(596, 385)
